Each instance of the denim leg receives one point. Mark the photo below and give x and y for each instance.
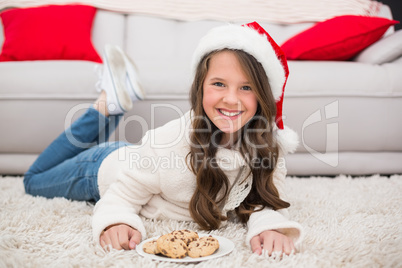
(75, 178)
(67, 167)
(90, 129)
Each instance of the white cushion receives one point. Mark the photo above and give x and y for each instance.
(385, 50)
(108, 28)
(343, 78)
(47, 79)
(162, 51)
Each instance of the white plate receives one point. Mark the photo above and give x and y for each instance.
(225, 247)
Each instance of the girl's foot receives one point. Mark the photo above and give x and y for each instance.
(119, 81)
(101, 105)
(132, 80)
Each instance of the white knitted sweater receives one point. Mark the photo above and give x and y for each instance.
(153, 180)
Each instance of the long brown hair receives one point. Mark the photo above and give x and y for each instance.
(258, 149)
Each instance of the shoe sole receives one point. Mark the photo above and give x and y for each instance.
(136, 87)
(115, 62)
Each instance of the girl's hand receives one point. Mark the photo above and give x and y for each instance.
(272, 241)
(120, 236)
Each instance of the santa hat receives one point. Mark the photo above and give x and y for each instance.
(254, 40)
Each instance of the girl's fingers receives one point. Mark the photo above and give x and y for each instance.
(105, 241)
(272, 241)
(135, 238)
(122, 235)
(255, 244)
(278, 244)
(114, 237)
(292, 247)
(287, 249)
(269, 240)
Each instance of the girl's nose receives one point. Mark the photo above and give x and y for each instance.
(231, 97)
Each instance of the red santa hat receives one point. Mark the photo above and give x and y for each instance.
(254, 40)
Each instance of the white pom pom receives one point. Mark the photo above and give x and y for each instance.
(287, 139)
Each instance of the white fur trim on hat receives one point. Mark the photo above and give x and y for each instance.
(249, 40)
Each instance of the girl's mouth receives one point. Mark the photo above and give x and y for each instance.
(231, 114)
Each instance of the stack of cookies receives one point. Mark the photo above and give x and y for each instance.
(182, 243)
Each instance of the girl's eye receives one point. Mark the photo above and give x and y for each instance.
(247, 88)
(218, 84)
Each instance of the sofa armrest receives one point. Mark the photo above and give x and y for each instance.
(385, 50)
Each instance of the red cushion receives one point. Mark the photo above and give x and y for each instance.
(52, 32)
(339, 38)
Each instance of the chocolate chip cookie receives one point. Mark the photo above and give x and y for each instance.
(202, 247)
(171, 247)
(150, 247)
(185, 235)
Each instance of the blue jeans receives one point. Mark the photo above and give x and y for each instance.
(69, 166)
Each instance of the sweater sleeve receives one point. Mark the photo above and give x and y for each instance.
(268, 219)
(134, 187)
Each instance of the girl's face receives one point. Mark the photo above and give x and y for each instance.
(229, 100)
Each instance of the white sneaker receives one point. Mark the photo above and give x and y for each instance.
(113, 81)
(132, 79)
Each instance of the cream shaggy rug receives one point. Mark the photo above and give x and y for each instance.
(349, 222)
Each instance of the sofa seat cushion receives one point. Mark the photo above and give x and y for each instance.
(47, 79)
(307, 78)
(333, 78)
(166, 79)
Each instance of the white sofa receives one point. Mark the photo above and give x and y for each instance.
(347, 114)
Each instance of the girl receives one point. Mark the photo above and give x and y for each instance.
(222, 158)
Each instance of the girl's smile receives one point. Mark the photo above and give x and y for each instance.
(229, 114)
(228, 99)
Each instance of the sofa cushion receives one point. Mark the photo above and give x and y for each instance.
(49, 32)
(51, 79)
(108, 28)
(385, 50)
(162, 50)
(339, 38)
(340, 78)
